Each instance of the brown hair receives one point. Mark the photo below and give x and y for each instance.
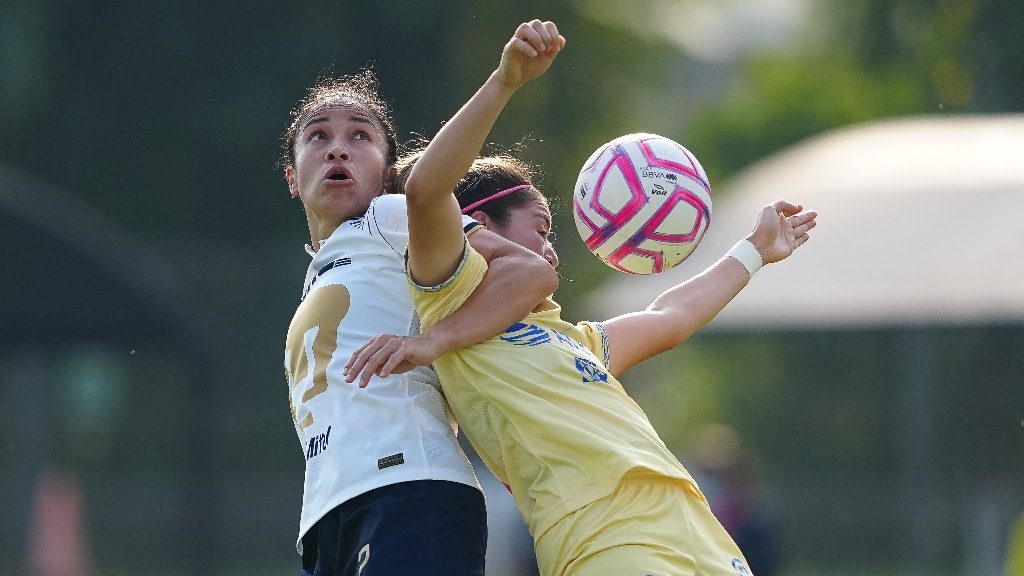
(487, 176)
(358, 91)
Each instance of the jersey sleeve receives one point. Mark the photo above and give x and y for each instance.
(387, 217)
(596, 339)
(436, 302)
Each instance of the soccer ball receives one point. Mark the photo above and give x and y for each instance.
(642, 203)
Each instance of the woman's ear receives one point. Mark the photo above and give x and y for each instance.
(289, 177)
(482, 217)
(390, 181)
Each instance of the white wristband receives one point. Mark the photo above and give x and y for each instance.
(745, 253)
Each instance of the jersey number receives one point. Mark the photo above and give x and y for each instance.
(312, 338)
(364, 558)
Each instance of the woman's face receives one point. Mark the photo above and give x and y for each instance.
(340, 163)
(530, 227)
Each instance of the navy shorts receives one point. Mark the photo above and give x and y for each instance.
(423, 527)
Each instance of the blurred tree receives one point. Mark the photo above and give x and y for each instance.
(868, 59)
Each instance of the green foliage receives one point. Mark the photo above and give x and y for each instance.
(783, 100)
(874, 59)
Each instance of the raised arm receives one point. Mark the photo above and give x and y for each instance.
(516, 279)
(680, 311)
(435, 229)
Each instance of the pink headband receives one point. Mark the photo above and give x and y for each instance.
(495, 196)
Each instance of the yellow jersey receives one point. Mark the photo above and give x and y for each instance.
(540, 408)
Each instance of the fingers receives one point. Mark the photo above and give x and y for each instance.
(791, 216)
(534, 38)
(523, 46)
(786, 208)
(799, 240)
(391, 365)
(803, 222)
(803, 217)
(374, 363)
(357, 361)
(557, 41)
(369, 358)
(390, 354)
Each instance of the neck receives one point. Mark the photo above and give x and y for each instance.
(319, 230)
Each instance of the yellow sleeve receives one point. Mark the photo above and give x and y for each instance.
(596, 339)
(436, 302)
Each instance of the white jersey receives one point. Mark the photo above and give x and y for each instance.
(396, 429)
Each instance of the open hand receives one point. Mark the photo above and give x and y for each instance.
(530, 52)
(780, 229)
(388, 354)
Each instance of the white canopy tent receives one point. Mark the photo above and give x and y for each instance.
(921, 221)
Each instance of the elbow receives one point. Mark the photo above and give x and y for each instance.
(419, 185)
(530, 273)
(546, 276)
(533, 274)
(423, 191)
(412, 187)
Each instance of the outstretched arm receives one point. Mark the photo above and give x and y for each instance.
(435, 229)
(680, 311)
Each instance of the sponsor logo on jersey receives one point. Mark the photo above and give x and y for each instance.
(389, 461)
(323, 270)
(522, 334)
(569, 341)
(318, 443)
(590, 371)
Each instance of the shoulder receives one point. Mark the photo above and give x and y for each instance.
(596, 338)
(388, 204)
(387, 216)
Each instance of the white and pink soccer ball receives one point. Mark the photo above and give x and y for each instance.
(642, 203)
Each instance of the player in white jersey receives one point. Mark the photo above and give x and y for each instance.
(600, 491)
(387, 488)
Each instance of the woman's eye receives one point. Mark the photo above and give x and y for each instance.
(360, 135)
(317, 135)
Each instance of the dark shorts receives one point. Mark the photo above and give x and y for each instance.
(424, 527)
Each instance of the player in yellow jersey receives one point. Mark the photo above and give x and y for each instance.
(599, 490)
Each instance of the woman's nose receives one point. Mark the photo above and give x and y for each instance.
(551, 256)
(336, 152)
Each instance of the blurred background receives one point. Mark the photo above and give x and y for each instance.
(859, 411)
